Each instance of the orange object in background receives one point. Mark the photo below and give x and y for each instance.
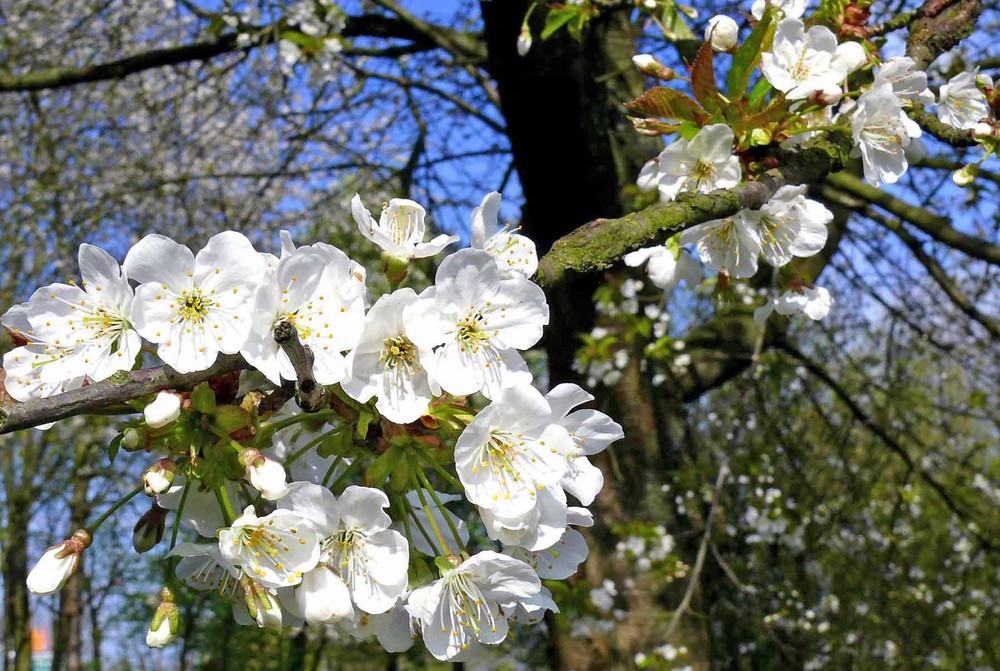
(40, 639)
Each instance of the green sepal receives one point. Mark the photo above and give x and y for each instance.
(203, 399)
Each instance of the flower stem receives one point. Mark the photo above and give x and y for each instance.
(437, 501)
(180, 511)
(227, 506)
(110, 511)
(420, 527)
(433, 522)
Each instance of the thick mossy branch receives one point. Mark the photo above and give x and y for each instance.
(943, 24)
(119, 388)
(956, 137)
(601, 243)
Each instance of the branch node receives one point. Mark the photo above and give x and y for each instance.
(310, 396)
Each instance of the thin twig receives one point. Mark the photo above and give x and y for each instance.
(310, 396)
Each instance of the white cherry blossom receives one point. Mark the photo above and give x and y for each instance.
(480, 321)
(790, 225)
(560, 560)
(882, 132)
(961, 103)
(400, 229)
(318, 290)
(515, 254)
(703, 164)
(666, 267)
(802, 63)
(57, 564)
(93, 320)
(387, 364)
(358, 547)
(442, 516)
(194, 307)
(812, 301)
(792, 9)
(511, 450)
(471, 603)
(729, 244)
(274, 550)
(24, 366)
(908, 83)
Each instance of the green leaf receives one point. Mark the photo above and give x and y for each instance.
(689, 130)
(365, 417)
(379, 470)
(114, 446)
(703, 85)
(760, 91)
(443, 565)
(556, 19)
(667, 103)
(203, 399)
(748, 55)
(231, 417)
(337, 444)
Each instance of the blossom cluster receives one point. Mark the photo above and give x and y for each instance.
(340, 514)
(803, 92)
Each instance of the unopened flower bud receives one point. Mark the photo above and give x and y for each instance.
(395, 268)
(984, 130)
(58, 563)
(651, 67)
(266, 475)
(131, 440)
(158, 477)
(965, 175)
(524, 41)
(722, 32)
(165, 624)
(148, 531)
(829, 95)
(261, 604)
(164, 409)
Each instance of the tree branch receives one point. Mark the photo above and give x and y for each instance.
(310, 396)
(601, 243)
(119, 388)
(937, 227)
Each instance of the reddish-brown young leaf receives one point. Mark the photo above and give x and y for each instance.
(703, 84)
(667, 103)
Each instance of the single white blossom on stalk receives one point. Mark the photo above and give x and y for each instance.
(358, 547)
(512, 450)
(666, 267)
(961, 103)
(163, 410)
(812, 301)
(704, 163)
(591, 431)
(790, 225)
(722, 32)
(481, 321)
(194, 307)
(802, 63)
(560, 560)
(318, 291)
(515, 254)
(908, 83)
(400, 229)
(387, 364)
(729, 244)
(93, 320)
(274, 550)
(24, 365)
(267, 476)
(792, 9)
(442, 516)
(882, 131)
(471, 603)
(58, 563)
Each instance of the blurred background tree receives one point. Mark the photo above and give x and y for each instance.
(817, 496)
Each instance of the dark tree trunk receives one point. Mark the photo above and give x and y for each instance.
(16, 613)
